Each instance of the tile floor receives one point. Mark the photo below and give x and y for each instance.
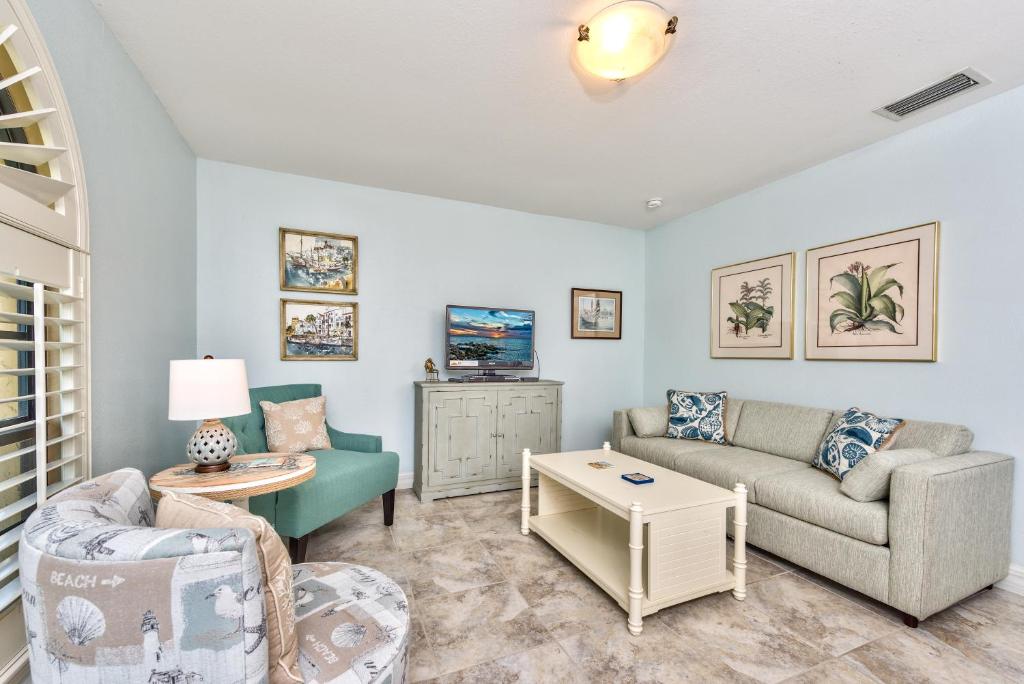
(490, 605)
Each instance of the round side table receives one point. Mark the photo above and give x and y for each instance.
(249, 475)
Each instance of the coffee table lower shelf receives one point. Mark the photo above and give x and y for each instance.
(597, 542)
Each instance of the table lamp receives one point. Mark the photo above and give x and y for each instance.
(209, 389)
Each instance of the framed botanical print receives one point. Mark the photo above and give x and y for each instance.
(752, 306)
(596, 314)
(319, 331)
(874, 298)
(311, 261)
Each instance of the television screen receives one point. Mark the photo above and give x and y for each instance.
(484, 338)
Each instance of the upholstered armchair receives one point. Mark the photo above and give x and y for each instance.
(352, 472)
(109, 598)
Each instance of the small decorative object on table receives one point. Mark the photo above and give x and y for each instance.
(431, 368)
(637, 478)
(208, 390)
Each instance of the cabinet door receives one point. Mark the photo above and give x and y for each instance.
(461, 435)
(527, 419)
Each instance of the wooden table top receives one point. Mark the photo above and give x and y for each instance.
(249, 475)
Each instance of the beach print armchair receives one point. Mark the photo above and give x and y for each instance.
(109, 598)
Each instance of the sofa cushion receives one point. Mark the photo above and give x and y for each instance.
(782, 429)
(869, 480)
(942, 439)
(814, 497)
(727, 466)
(662, 451)
(857, 435)
(343, 481)
(650, 421)
(733, 408)
(696, 415)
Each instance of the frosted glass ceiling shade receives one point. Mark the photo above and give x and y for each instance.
(625, 39)
(207, 388)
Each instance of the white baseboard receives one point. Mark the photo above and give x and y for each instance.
(1014, 581)
(404, 480)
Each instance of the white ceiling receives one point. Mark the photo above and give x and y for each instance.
(481, 101)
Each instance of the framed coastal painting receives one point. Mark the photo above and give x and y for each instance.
(874, 298)
(319, 331)
(596, 314)
(311, 261)
(752, 308)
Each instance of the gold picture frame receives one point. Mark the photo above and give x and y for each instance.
(898, 271)
(595, 314)
(329, 264)
(753, 307)
(331, 335)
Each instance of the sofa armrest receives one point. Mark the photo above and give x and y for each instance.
(949, 529)
(621, 427)
(351, 441)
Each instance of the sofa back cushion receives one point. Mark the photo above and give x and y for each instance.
(652, 421)
(942, 439)
(782, 429)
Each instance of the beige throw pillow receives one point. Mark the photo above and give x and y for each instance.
(296, 426)
(186, 511)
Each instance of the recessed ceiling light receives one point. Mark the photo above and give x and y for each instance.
(654, 203)
(625, 39)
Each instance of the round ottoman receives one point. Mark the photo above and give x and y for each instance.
(352, 624)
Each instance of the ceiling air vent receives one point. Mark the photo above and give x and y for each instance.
(933, 94)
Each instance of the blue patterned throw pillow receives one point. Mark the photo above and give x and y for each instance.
(696, 415)
(857, 435)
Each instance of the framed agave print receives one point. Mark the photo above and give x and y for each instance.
(319, 331)
(874, 298)
(312, 261)
(752, 308)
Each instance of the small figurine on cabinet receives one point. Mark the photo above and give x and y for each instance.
(431, 368)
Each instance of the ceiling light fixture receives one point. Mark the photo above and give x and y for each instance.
(625, 39)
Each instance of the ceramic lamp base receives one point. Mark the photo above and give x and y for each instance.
(211, 446)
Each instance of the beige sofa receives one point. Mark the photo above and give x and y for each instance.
(942, 534)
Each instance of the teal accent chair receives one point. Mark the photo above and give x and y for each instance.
(352, 472)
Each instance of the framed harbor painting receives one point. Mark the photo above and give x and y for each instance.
(874, 298)
(596, 314)
(311, 261)
(319, 331)
(752, 305)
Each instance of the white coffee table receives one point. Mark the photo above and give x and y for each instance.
(648, 546)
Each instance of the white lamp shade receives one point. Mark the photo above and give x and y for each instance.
(207, 388)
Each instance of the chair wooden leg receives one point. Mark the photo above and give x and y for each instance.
(389, 507)
(297, 548)
(910, 621)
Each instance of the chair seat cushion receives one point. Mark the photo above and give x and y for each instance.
(663, 451)
(352, 623)
(344, 480)
(728, 465)
(814, 497)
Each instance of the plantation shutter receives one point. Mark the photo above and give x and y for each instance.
(40, 173)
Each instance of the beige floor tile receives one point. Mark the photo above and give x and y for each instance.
(478, 625)
(509, 500)
(988, 628)
(914, 655)
(431, 531)
(817, 616)
(542, 665)
(344, 543)
(451, 568)
(408, 504)
(751, 642)
(835, 671)
(568, 602)
(758, 567)
(860, 599)
(607, 652)
(522, 557)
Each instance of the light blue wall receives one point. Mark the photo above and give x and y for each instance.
(416, 254)
(140, 177)
(965, 170)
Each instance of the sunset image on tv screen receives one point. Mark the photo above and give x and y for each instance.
(490, 337)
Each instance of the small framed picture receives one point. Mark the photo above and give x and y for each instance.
(596, 314)
(312, 261)
(319, 331)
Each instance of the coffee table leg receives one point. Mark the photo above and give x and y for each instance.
(525, 506)
(636, 566)
(739, 563)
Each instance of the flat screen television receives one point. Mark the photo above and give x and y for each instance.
(488, 339)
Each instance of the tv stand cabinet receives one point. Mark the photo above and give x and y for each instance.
(470, 437)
